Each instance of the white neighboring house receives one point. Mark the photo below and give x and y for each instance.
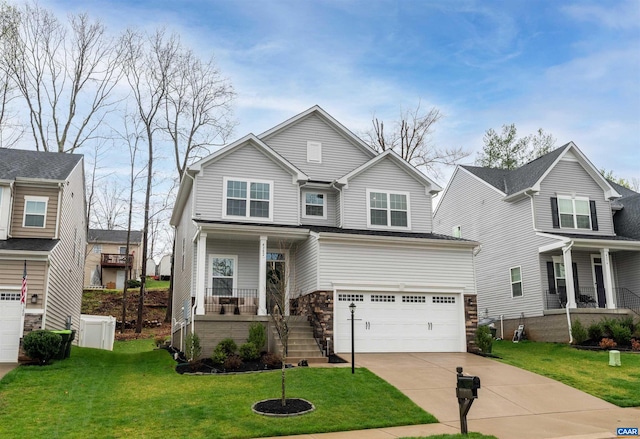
(42, 227)
(534, 223)
(312, 202)
(164, 267)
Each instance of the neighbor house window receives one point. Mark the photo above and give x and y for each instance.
(314, 205)
(516, 282)
(248, 198)
(314, 152)
(457, 232)
(35, 211)
(388, 209)
(223, 275)
(574, 213)
(97, 248)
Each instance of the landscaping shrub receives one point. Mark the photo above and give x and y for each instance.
(219, 356)
(228, 346)
(272, 360)
(257, 335)
(621, 334)
(232, 362)
(595, 331)
(578, 332)
(484, 340)
(608, 325)
(249, 352)
(133, 283)
(607, 343)
(635, 345)
(41, 345)
(192, 346)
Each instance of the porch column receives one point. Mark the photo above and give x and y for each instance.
(262, 277)
(201, 269)
(568, 277)
(608, 278)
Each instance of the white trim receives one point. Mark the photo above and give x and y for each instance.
(511, 282)
(388, 209)
(234, 277)
(248, 199)
(4, 211)
(262, 276)
(593, 274)
(324, 204)
(314, 152)
(35, 199)
(395, 286)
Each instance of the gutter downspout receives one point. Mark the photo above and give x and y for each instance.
(59, 213)
(564, 250)
(12, 191)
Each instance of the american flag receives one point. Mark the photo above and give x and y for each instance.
(23, 291)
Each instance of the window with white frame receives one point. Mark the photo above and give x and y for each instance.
(35, 211)
(248, 198)
(516, 282)
(457, 232)
(314, 152)
(223, 275)
(388, 209)
(97, 248)
(574, 212)
(315, 205)
(559, 274)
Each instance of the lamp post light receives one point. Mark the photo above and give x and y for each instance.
(352, 308)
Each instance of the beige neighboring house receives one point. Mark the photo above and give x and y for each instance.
(42, 227)
(105, 264)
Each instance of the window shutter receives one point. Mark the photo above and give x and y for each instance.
(551, 278)
(555, 217)
(594, 216)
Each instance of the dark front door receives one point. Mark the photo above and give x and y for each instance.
(597, 269)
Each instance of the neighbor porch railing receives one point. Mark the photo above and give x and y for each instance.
(557, 298)
(625, 298)
(232, 301)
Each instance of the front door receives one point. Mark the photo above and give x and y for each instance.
(277, 285)
(598, 278)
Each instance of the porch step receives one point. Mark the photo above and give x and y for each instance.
(302, 345)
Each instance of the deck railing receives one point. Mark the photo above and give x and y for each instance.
(232, 301)
(586, 297)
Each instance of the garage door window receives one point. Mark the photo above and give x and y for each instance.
(444, 299)
(382, 298)
(350, 297)
(9, 296)
(414, 299)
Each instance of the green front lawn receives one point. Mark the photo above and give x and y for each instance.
(134, 392)
(588, 371)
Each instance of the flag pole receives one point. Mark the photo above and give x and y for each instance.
(23, 297)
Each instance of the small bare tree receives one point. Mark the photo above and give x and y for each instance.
(10, 130)
(109, 205)
(410, 137)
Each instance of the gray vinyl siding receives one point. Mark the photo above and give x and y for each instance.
(245, 162)
(64, 296)
(627, 268)
(306, 267)
(343, 261)
(566, 178)
(330, 206)
(386, 176)
(505, 232)
(339, 155)
(184, 279)
(49, 230)
(248, 254)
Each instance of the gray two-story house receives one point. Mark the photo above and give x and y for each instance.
(339, 222)
(42, 236)
(554, 235)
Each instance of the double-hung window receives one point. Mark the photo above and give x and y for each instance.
(251, 199)
(35, 211)
(314, 205)
(388, 209)
(574, 212)
(223, 275)
(516, 282)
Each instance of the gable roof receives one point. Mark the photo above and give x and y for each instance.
(113, 236)
(626, 222)
(317, 110)
(402, 163)
(18, 164)
(516, 182)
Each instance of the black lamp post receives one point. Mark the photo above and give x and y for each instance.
(352, 308)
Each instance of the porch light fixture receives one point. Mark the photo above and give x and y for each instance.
(352, 308)
(34, 298)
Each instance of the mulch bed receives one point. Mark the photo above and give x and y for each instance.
(274, 407)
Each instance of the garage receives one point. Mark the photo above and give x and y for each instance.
(10, 331)
(400, 322)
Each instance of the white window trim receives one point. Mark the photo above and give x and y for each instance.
(234, 287)
(388, 226)
(311, 149)
(521, 282)
(304, 205)
(248, 199)
(44, 200)
(456, 231)
(575, 215)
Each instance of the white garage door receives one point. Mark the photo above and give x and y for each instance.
(400, 322)
(10, 319)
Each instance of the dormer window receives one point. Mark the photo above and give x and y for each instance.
(251, 199)
(314, 205)
(314, 152)
(35, 211)
(574, 213)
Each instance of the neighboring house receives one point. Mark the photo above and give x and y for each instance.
(164, 267)
(554, 233)
(310, 203)
(152, 268)
(42, 227)
(105, 264)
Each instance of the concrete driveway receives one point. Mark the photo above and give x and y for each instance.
(512, 403)
(5, 368)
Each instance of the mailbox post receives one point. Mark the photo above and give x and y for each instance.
(466, 391)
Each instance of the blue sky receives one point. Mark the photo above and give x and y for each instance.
(571, 68)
